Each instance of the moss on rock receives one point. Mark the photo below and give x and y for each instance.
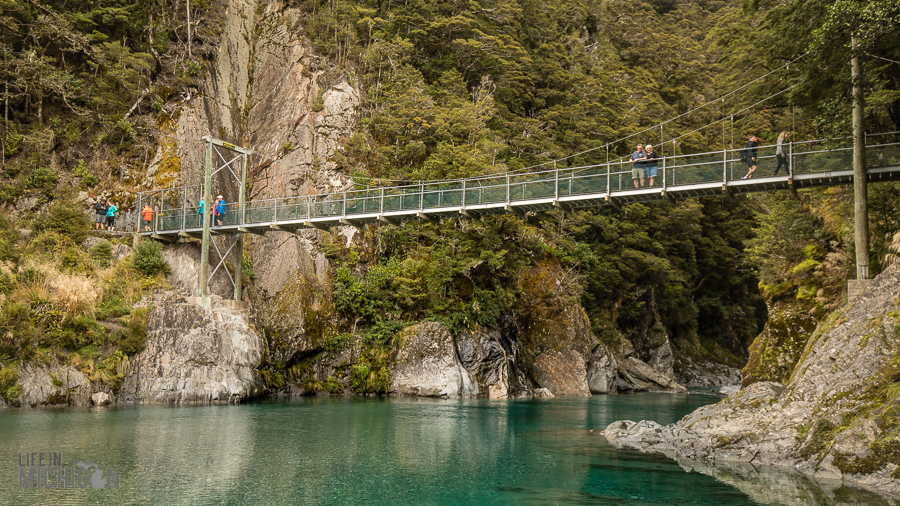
(778, 349)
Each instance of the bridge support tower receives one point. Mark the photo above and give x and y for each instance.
(860, 182)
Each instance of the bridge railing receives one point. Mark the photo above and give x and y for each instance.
(805, 157)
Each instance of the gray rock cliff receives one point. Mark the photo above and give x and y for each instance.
(832, 421)
(196, 355)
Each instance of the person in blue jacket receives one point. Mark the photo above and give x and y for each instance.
(111, 217)
(220, 210)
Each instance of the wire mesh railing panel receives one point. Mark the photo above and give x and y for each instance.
(882, 156)
(684, 170)
(229, 214)
(259, 212)
(622, 180)
(822, 161)
(437, 199)
(587, 181)
(326, 209)
(401, 199)
(291, 209)
(363, 204)
(541, 185)
(391, 203)
(170, 219)
(486, 191)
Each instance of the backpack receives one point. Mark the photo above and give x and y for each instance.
(743, 155)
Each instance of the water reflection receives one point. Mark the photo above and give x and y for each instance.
(387, 451)
(786, 486)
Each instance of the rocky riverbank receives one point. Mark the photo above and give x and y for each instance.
(835, 419)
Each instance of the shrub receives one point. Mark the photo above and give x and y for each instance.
(102, 254)
(136, 339)
(43, 179)
(370, 375)
(9, 236)
(382, 332)
(67, 218)
(148, 258)
(84, 330)
(9, 387)
(76, 261)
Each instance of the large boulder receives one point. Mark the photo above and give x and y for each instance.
(492, 359)
(427, 365)
(645, 377)
(53, 385)
(562, 373)
(196, 355)
(601, 372)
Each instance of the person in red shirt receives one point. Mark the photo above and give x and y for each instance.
(147, 215)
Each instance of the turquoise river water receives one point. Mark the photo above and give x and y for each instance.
(335, 451)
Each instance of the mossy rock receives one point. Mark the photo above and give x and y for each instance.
(778, 349)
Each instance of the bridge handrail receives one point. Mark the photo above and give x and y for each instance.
(483, 184)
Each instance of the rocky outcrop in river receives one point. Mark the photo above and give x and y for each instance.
(196, 355)
(835, 419)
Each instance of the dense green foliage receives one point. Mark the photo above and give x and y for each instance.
(63, 305)
(456, 89)
(77, 81)
(148, 258)
(462, 89)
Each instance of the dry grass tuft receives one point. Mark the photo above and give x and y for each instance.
(893, 251)
(72, 294)
(76, 295)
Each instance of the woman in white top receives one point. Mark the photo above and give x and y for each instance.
(779, 153)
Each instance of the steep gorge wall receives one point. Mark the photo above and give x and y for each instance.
(835, 418)
(266, 89)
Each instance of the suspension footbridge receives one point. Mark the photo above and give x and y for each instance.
(810, 164)
(813, 163)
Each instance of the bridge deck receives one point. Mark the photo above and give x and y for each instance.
(690, 176)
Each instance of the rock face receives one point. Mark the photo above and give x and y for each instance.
(602, 370)
(427, 364)
(195, 355)
(431, 363)
(493, 360)
(706, 374)
(562, 373)
(184, 261)
(54, 385)
(831, 421)
(775, 352)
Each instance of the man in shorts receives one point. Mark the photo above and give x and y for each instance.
(147, 215)
(637, 166)
(100, 214)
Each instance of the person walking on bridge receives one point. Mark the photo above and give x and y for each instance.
(651, 166)
(147, 215)
(219, 210)
(748, 155)
(637, 166)
(779, 153)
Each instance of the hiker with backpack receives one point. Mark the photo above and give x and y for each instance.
(748, 156)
